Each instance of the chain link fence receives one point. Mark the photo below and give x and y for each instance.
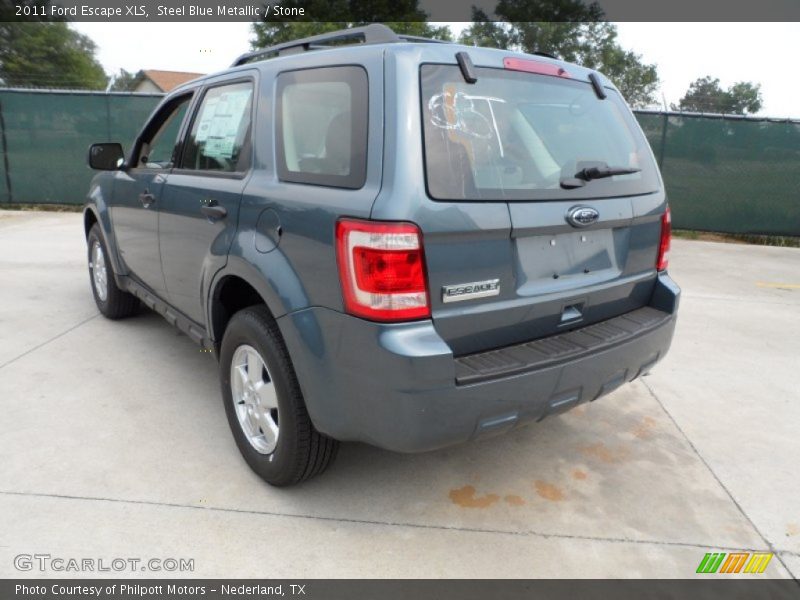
(722, 173)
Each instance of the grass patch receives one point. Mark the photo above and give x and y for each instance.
(784, 241)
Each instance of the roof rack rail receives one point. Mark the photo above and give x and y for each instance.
(374, 33)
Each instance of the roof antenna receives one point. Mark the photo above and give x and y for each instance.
(466, 66)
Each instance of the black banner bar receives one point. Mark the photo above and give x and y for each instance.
(342, 589)
(431, 10)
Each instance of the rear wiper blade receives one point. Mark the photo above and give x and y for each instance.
(589, 173)
(602, 172)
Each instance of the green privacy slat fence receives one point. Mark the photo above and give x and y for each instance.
(722, 174)
(729, 174)
(45, 136)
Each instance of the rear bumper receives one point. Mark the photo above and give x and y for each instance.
(400, 388)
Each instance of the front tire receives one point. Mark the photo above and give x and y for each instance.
(264, 405)
(111, 301)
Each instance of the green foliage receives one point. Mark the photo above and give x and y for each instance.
(486, 33)
(403, 16)
(744, 97)
(706, 95)
(573, 32)
(124, 81)
(48, 54)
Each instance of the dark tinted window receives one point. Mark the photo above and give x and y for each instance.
(515, 136)
(220, 135)
(322, 126)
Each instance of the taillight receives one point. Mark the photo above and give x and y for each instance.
(666, 235)
(382, 270)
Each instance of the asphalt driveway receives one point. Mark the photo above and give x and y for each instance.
(114, 443)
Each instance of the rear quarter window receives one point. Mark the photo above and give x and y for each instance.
(515, 136)
(321, 126)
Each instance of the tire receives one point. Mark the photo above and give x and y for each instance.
(270, 425)
(111, 301)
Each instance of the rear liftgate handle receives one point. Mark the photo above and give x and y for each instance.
(572, 313)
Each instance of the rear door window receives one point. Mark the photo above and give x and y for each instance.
(322, 126)
(516, 136)
(220, 136)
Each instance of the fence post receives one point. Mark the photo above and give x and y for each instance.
(663, 142)
(108, 117)
(5, 154)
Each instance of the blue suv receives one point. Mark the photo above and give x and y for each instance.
(394, 241)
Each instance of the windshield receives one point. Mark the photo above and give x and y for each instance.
(519, 136)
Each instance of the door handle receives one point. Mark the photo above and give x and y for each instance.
(214, 211)
(146, 198)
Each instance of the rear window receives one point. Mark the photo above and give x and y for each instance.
(515, 136)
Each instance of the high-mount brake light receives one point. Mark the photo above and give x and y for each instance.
(382, 270)
(534, 66)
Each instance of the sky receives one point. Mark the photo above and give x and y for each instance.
(683, 52)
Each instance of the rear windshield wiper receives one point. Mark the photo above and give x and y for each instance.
(588, 174)
(601, 172)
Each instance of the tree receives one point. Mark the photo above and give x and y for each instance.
(486, 33)
(124, 81)
(48, 54)
(744, 97)
(572, 31)
(706, 95)
(403, 16)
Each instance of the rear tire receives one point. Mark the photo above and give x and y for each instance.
(111, 301)
(264, 405)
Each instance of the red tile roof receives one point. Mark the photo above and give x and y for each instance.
(167, 80)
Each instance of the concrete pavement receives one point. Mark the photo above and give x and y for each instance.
(113, 443)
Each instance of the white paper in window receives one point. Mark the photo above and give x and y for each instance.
(220, 121)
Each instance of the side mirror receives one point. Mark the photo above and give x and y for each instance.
(106, 156)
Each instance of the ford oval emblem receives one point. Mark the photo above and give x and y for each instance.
(582, 216)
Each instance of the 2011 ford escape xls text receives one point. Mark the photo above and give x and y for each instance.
(398, 242)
